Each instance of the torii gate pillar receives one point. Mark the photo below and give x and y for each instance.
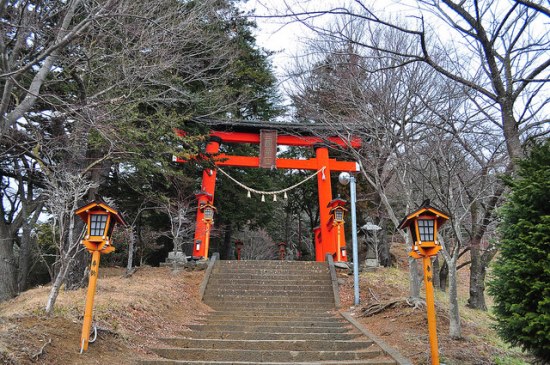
(325, 196)
(206, 195)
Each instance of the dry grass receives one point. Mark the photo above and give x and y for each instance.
(405, 328)
(134, 311)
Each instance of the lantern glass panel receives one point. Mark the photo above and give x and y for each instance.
(426, 229)
(339, 215)
(208, 213)
(97, 224)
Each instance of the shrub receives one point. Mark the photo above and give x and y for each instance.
(521, 283)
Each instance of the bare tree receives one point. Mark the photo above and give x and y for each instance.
(336, 89)
(423, 137)
(257, 245)
(497, 51)
(64, 195)
(85, 83)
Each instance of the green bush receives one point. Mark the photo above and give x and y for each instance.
(521, 284)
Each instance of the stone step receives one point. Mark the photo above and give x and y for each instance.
(221, 304)
(208, 297)
(266, 312)
(267, 280)
(237, 335)
(291, 345)
(215, 283)
(268, 329)
(268, 316)
(282, 278)
(280, 289)
(381, 361)
(270, 263)
(264, 356)
(274, 322)
(263, 289)
(279, 269)
(270, 313)
(275, 286)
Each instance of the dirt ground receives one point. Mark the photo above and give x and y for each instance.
(406, 328)
(132, 313)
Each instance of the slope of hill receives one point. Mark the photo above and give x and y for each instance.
(130, 312)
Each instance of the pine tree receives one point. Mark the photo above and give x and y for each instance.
(521, 284)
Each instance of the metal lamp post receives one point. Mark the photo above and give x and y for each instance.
(346, 178)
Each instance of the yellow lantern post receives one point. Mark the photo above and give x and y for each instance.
(337, 213)
(423, 225)
(208, 211)
(100, 220)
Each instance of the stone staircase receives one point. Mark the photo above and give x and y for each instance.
(271, 312)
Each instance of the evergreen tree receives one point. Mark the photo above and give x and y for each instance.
(521, 284)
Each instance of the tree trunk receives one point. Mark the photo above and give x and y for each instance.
(436, 273)
(131, 247)
(511, 131)
(54, 291)
(24, 258)
(8, 269)
(226, 249)
(443, 276)
(25, 248)
(414, 280)
(384, 245)
(76, 273)
(455, 330)
(477, 278)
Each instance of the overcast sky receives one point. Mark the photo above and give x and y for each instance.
(286, 38)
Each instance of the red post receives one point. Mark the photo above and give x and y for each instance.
(206, 195)
(282, 251)
(327, 244)
(238, 247)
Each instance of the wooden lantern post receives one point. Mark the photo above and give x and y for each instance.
(337, 214)
(208, 211)
(100, 220)
(423, 225)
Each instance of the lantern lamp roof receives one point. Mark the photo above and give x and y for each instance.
(425, 209)
(84, 211)
(338, 207)
(337, 202)
(208, 205)
(203, 194)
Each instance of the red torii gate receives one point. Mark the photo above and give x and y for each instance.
(325, 236)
